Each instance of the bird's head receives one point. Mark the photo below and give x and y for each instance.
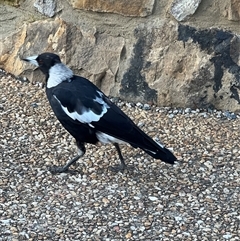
(51, 65)
(44, 61)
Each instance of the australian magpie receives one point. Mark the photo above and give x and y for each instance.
(88, 114)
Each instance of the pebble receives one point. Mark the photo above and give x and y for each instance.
(146, 107)
(187, 110)
(208, 164)
(229, 115)
(128, 235)
(153, 198)
(34, 105)
(171, 116)
(139, 105)
(227, 236)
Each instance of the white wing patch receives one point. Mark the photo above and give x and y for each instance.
(153, 152)
(100, 100)
(105, 138)
(87, 116)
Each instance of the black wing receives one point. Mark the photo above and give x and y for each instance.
(81, 100)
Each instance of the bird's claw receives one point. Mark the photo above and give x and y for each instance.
(57, 170)
(120, 168)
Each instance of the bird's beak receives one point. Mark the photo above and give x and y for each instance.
(32, 60)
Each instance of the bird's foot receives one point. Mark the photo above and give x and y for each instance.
(56, 170)
(120, 168)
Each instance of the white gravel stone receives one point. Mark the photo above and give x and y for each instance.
(152, 198)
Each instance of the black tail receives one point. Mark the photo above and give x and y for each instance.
(161, 153)
(115, 123)
(151, 147)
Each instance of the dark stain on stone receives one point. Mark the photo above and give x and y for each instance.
(234, 92)
(218, 73)
(134, 85)
(217, 42)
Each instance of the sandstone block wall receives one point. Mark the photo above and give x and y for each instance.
(182, 53)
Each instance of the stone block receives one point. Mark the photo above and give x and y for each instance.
(178, 65)
(140, 8)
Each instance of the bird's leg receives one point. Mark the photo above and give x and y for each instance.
(122, 166)
(65, 168)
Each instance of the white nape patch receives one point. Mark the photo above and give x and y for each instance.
(32, 60)
(57, 74)
(87, 116)
(105, 138)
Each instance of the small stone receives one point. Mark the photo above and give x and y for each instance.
(178, 218)
(147, 224)
(105, 200)
(152, 198)
(34, 105)
(13, 229)
(136, 198)
(209, 165)
(182, 194)
(175, 112)
(226, 190)
(58, 231)
(227, 236)
(132, 227)
(203, 114)
(141, 124)
(209, 110)
(229, 115)
(187, 110)
(129, 105)
(140, 105)
(128, 235)
(146, 107)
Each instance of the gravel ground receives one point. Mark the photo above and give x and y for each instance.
(196, 199)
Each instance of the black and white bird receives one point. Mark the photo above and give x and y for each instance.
(88, 114)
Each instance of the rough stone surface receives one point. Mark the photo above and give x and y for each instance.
(15, 3)
(196, 199)
(140, 8)
(232, 10)
(183, 9)
(222, 86)
(204, 74)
